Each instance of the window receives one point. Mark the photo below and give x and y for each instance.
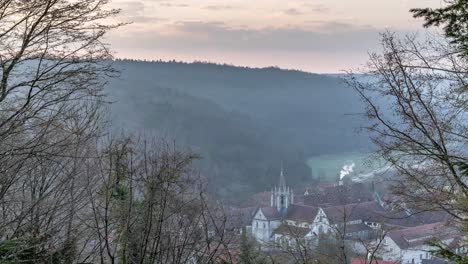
(264, 226)
(420, 256)
(256, 224)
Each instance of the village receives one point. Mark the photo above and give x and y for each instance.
(371, 224)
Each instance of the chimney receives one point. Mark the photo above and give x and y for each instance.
(340, 181)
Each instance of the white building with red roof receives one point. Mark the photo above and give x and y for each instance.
(286, 219)
(351, 212)
(409, 245)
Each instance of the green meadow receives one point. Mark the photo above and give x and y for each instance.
(327, 168)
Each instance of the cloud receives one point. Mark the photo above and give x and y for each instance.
(330, 47)
(189, 35)
(218, 7)
(167, 4)
(317, 8)
(306, 8)
(251, 30)
(137, 12)
(131, 8)
(293, 12)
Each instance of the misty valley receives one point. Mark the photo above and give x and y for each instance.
(233, 132)
(244, 121)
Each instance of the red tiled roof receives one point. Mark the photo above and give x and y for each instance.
(419, 235)
(339, 195)
(401, 218)
(368, 211)
(299, 199)
(293, 231)
(301, 213)
(295, 212)
(270, 213)
(300, 191)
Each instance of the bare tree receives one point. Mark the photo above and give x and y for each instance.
(343, 241)
(416, 97)
(53, 65)
(338, 243)
(42, 208)
(148, 206)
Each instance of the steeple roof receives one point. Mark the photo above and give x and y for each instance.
(282, 180)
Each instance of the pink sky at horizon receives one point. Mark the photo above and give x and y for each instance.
(323, 36)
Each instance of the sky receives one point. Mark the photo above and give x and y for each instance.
(323, 36)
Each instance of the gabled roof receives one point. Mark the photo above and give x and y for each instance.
(270, 213)
(339, 195)
(401, 219)
(301, 213)
(292, 231)
(368, 211)
(295, 212)
(299, 199)
(420, 235)
(300, 191)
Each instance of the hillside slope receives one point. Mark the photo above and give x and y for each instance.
(242, 121)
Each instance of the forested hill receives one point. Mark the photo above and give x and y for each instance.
(242, 121)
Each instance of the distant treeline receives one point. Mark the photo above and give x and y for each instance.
(209, 63)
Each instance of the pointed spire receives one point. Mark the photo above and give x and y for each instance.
(282, 182)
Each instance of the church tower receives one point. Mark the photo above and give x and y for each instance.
(282, 196)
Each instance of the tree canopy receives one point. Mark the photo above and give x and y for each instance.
(453, 18)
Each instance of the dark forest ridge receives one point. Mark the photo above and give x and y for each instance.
(241, 120)
(231, 65)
